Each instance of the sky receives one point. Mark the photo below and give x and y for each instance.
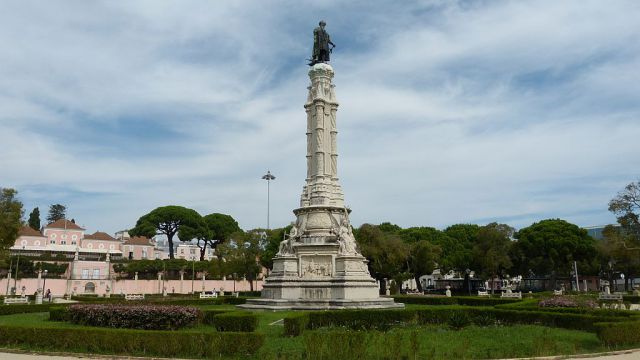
(450, 111)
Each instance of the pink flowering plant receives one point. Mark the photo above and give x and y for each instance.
(145, 317)
(568, 302)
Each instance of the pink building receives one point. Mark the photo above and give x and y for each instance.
(140, 248)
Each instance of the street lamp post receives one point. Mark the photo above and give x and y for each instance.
(268, 176)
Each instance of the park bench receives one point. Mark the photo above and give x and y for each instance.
(513, 295)
(134, 297)
(208, 296)
(635, 307)
(16, 300)
(616, 297)
(557, 292)
(483, 293)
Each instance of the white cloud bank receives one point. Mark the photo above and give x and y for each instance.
(450, 112)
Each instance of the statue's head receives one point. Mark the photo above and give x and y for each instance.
(322, 23)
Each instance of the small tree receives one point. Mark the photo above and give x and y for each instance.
(626, 206)
(56, 212)
(34, 219)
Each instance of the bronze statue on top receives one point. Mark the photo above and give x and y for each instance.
(321, 42)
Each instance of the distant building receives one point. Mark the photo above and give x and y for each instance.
(596, 231)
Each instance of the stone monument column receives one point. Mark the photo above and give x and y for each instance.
(318, 265)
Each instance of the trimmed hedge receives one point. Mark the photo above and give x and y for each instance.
(619, 333)
(296, 324)
(59, 313)
(455, 316)
(23, 309)
(453, 300)
(361, 319)
(209, 315)
(144, 317)
(633, 299)
(236, 321)
(132, 342)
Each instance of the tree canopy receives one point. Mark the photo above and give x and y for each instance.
(209, 231)
(242, 253)
(166, 220)
(56, 212)
(552, 246)
(10, 217)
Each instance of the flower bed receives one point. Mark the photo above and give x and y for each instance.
(568, 302)
(144, 317)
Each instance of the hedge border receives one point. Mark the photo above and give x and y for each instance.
(241, 321)
(453, 300)
(619, 333)
(132, 342)
(384, 319)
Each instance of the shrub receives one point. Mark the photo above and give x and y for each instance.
(296, 324)
(209, 315)
(236, 321)
(361, 319)
(132, 342)
(567, 302)
(23, 309)
(145, 317)
(633, 299)
(619, 333)
(59, 313)
(484, 320)
(459, 320)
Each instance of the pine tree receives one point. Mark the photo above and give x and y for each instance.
(34, 219)
(56, 212)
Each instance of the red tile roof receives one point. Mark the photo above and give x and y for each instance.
(28, 231)
(138, 240)
(99, 235)
(63, 224)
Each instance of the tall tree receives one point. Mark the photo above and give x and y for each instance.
(552, 246)
(166, 220)
(491, 249)
(56, 212)
(34, 219)
(10, 217)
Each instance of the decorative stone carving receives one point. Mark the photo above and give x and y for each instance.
(316, 267)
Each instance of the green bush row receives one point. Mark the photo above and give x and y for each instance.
(455, 316)
(59, 313)
(619, 333)
(231, 300)
(23, 309)
(208, 316)
(132, 342)
(453, 300)
(236, 321)
(633, 299)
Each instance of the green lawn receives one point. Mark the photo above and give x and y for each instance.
(424, 342)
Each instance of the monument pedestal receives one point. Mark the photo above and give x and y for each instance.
(318, 265)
